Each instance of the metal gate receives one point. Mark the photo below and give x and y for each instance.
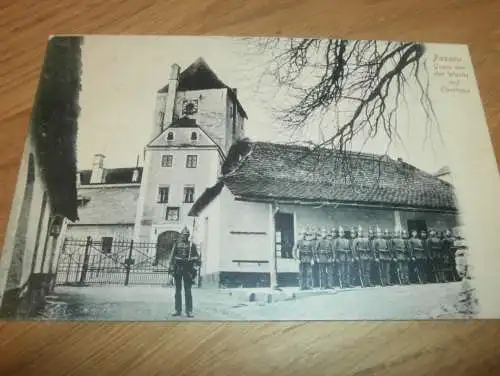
(92, 262)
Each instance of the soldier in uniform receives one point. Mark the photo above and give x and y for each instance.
(304, 253)
(383, 257)
(343, 255)
(448, 250)
(185, 258)
(335, 266)
(356, 279)
(418, 257)
(315, 265)
(324, 258)
(429, 263)
(400, 254)
(363, 255)
(392, 264)
(434, 245)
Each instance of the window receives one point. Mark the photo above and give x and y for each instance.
(191, 161)
(189, 194)
(167, 160)
(163, 195)
(194, 136)
(172, 214)
(170, 136)
(107, 244)
(189, 107)
(135, 176)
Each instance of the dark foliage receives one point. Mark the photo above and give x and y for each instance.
(54, 122)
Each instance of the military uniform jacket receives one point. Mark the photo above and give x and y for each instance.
(381, 249)
(434, 247)
(416, 248)
(183, 258)
(342, 246)
(324, 251)
(448, 244)
(306, 251)
(361, 248)
(398, 246)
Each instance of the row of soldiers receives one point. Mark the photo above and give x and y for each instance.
(336, 258)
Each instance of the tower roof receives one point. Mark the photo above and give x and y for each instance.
(199, 76)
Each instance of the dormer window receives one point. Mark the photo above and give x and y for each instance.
(194, 136)
(170, 136)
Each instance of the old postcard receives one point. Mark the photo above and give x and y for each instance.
(218, 178)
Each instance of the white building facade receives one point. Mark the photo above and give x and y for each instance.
(197, 119)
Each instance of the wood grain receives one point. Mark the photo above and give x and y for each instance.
(337, 348)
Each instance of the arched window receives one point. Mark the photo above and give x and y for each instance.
(194, 136)
(170, 136)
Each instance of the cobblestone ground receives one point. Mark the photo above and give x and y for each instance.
(156, 304)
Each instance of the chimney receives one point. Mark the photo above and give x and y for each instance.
(97, 175)
(173, 83)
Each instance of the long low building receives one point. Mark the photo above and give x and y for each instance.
(249, 221)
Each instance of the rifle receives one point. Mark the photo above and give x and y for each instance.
(380, 273)
(398, 271)
(339, 274)
(355, 255)
(170, 269)
(360, 272)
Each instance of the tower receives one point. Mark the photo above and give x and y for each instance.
(197, 119)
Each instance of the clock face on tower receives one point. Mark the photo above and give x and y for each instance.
(189, 107)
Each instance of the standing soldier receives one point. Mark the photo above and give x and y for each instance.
(362, 252)
(184, 260)
(429, 262)
(400, 254)
(383, 256)
(392, 264)
(355, 265)
(304, 253)
(448, 247)
(436, 256)
(418, 257)
(315, 265)
(324, 258)
(409, 262)
(335, 267)
(343, 255)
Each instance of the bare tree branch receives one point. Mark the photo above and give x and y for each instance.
(370, 77)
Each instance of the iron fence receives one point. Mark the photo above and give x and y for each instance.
(122, 262)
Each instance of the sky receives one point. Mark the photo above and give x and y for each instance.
(121, 75)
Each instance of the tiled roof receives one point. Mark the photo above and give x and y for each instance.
(199, 76)
(291, 172)
(113, 176)
(108, 205)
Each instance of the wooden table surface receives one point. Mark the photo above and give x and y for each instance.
(337, 348)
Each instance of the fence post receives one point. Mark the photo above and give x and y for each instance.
(86, 257)
(128, 262)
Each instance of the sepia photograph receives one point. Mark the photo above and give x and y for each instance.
(250, 178)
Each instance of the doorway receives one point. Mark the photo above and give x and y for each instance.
(284, 235)
(164, 247)
(418, 225)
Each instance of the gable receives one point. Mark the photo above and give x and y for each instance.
(182, 136)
